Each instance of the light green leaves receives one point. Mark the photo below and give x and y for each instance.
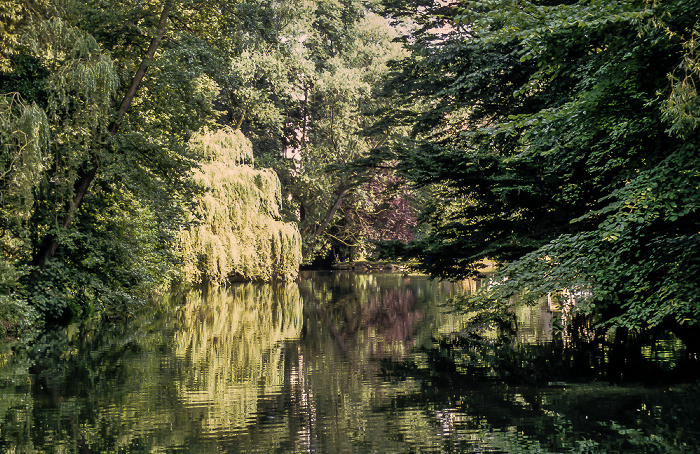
(239, 234)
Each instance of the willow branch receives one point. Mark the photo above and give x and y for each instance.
(50, 243)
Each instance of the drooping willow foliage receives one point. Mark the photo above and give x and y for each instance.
(55, 104)
(23, 156)
(57, 133)
(241, 235)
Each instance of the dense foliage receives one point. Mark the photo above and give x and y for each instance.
(559, 138)
(554, 137)
(303, 83)
(99, 100)
(240, 235)
(99, 182)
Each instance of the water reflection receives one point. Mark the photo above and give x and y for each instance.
(231, 344)
(338, 363)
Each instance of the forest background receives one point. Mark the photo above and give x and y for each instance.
(555, 138)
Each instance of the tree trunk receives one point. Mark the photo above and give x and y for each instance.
(328, 219)
(50, 244)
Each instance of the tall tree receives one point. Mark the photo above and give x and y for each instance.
(558, 139)
(304, 85)
(87, 174)
(111, 182)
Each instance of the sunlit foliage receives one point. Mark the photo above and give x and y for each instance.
(93, 196)
(240, 234)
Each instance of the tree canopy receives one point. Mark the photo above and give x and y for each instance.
(101, 103)
(559, 139)
(240, 234)
(304, 86)
(556, 138)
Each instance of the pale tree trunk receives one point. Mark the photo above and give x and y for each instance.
(50, 244)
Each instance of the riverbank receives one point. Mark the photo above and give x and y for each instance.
(369, 266)
(489, 266)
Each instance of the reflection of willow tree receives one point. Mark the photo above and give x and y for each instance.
(231, 341)
(112, 390)
(224, 372)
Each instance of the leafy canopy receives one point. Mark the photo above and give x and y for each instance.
(559, 139)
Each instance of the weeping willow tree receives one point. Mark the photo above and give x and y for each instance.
(23, 159)
(56, 91)
(44, 142)
(241, 235)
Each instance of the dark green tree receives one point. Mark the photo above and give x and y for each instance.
(103, 97)
(559, 139)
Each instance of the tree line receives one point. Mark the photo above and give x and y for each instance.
(558, 138)
(555, 138)
(101, 101)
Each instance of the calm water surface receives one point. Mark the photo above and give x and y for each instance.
(341, 362)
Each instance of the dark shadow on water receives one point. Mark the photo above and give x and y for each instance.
(650, 358)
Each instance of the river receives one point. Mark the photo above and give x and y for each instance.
(342, 363)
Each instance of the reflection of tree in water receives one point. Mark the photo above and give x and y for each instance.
(334, 379)
(393, 318)
(377, 314)
(236, 372)
(531, 375)
(393, 314)
(302, 403)
(231, 342)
